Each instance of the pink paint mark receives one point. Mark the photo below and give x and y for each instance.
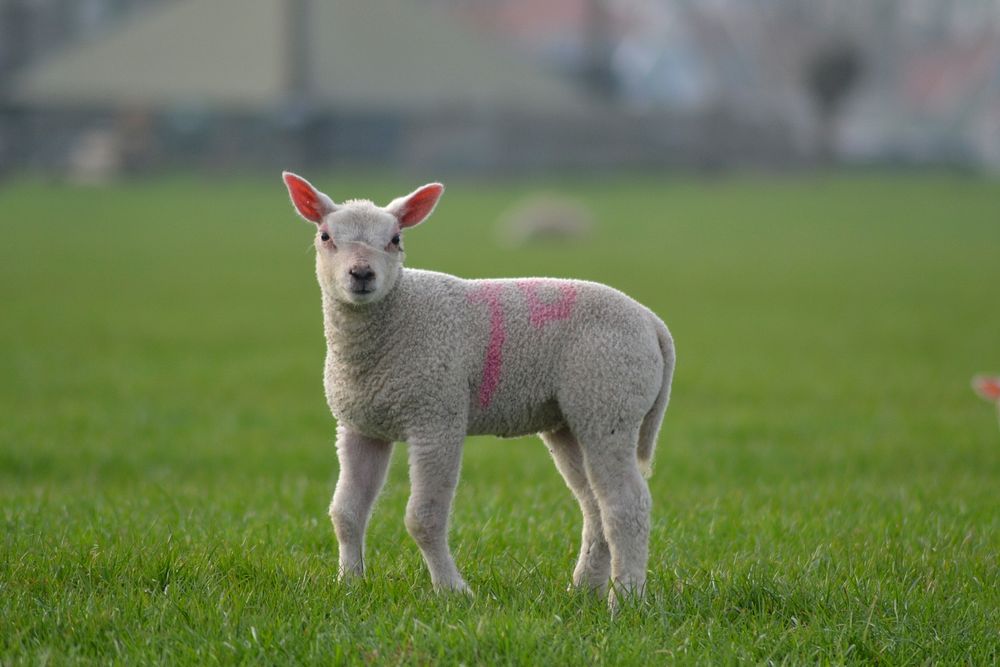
(489, 293)
(541, 313)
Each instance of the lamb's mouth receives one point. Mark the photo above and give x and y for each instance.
(361, 294)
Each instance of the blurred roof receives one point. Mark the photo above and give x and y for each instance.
(235, 54)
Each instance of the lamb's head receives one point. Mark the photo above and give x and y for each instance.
(359, 248)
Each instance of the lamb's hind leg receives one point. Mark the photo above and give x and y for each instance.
(363, 464)
(625, 504)
(593, 567)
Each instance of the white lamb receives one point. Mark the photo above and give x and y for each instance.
(428, 358)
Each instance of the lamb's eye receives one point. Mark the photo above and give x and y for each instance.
(395, 240)
(324, 237)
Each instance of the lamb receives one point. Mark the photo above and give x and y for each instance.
(427, 358)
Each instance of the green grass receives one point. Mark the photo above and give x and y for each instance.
(827, 487)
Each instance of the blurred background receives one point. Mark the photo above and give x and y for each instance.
(96, 89)
(804, 190)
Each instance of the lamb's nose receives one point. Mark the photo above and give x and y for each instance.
(362, 273)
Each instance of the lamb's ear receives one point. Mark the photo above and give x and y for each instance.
(414, 208)
(987, 387)
(311, 204)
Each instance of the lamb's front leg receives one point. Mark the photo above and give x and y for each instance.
(363, 464)
(434, 467)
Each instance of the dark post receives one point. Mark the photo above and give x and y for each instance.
(830, 77)
(15, 51)
(298, 82)
(597, 72)
(298, 103)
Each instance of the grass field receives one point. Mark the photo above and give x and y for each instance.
(827, 486)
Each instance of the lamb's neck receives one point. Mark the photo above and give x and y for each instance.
(358, 334)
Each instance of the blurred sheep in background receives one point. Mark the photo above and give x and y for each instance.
(545, 217)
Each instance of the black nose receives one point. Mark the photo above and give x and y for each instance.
(362, 273)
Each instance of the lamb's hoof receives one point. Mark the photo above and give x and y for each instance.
(347, 575)
(584, 586)
(625, 596)
(458, 587)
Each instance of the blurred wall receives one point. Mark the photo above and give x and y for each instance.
(659, 83)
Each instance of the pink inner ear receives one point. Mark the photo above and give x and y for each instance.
(988, 387)
(305, 198)
(420, 205)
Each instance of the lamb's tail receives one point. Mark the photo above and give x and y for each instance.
(650, 428)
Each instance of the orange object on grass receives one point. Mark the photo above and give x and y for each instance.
(987, 387)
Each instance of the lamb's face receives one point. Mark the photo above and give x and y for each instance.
(359, 252)
(359, 249)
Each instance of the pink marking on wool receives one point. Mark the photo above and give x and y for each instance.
(541, 313)
(489, 293)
